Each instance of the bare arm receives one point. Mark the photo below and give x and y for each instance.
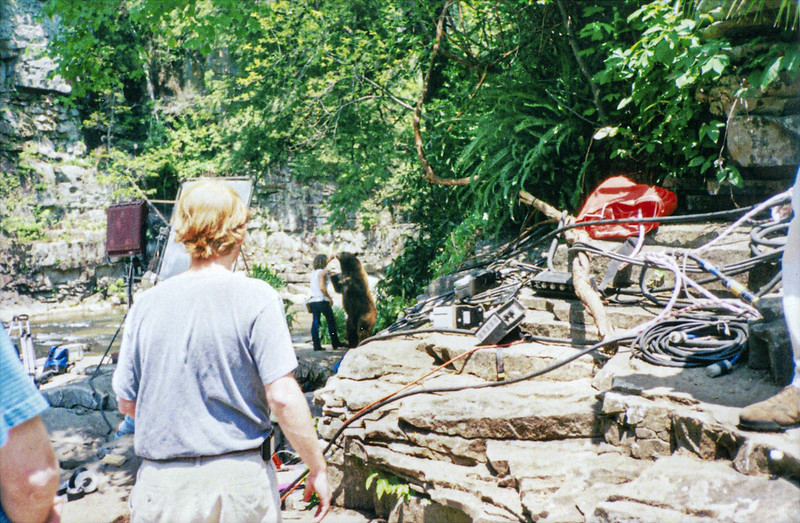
(323, 284)
(28, 474)
(126, 406)
(289, 406)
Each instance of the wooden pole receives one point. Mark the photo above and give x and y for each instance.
(581, 268)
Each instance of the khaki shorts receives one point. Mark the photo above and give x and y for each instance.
(228, 489)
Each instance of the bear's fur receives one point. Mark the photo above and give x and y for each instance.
(359, 307)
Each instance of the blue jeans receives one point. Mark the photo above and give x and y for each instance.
(323, 308)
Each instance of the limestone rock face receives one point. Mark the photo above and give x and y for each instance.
(28, 95)
(637, 443)
(765, 141)
(680, 488)
(762, 135)
(41, 139)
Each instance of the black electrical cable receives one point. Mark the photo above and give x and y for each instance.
(736, 267)
(771, 284)
(508, 251)
(760, 237)
(558, 364)
(95, 394)
(686, 218)
(708, 348)
(693, 341)
(469, 332)
(395, 334)
(731, 269)
(419, 314)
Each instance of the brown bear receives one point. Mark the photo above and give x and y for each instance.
(359, 307)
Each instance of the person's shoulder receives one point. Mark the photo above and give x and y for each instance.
(162, 287)
(253, 285)
(148, 294)
(259, 284)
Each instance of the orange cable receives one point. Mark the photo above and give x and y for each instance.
(398, 391)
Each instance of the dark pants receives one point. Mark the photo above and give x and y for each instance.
(323, 308)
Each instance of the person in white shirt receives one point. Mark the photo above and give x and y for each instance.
(320, 303)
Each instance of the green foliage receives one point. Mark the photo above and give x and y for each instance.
(22, 218)
(267, 274)
(786, 16)
(767, 67)
(662, 126)
(458, 246)
(339, 317)
(388, 484)
(389, 309)
(310, 381)
(327, 90)
(406, 277)
(116, 288)
(24, 227)
(525, 142)
(651, 85)
(313, 502)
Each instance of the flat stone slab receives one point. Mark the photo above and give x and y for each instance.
(514, 361)
(653, 411)
(740, 387)
(681, 488)
(531, 410)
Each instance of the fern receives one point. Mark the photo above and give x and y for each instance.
(388, 484)
(521, 145)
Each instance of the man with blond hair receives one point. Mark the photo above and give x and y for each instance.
(205, 356)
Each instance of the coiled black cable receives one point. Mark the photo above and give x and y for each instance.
(693, 341)
(765, 236)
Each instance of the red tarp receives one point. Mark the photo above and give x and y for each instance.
(618, 198)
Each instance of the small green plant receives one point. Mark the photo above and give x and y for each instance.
(311, 381)
(22, 218)
(388, 484)
(23, 228)
(266, 273)
(313, 502)
(116, 288)
(389, 309)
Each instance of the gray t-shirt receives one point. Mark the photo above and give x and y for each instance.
(196, 352)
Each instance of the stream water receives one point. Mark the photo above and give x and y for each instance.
(94, 330)
(97, 330)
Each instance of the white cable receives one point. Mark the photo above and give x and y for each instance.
(778, 198)
(640, 242)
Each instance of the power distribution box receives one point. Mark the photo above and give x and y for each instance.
(553, 282)
(473, 284)
(468, 316)
(500, 323)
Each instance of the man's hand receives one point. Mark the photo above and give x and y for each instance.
(126, 407)
(318, 484)
(287, 403)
